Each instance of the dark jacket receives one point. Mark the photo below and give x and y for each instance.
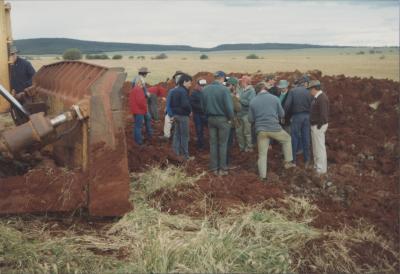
(21, 74)
(274, 91)
(195, 101)
(179, 102)
(319, 110)
(298, 100)
(217, 100)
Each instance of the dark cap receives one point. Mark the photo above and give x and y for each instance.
(270, 77)
(219, 74)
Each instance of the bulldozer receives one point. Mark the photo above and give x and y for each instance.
(76, 112)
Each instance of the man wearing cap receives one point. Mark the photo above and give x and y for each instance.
(218, 107)
(319, 124)
(232, 85)
(298, 103)
(265, 112)
(21, 74)
(199, 118)
(283, 87)
(243, 132)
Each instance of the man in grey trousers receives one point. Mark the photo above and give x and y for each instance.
(218, 106)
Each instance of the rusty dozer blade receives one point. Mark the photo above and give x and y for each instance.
(96, 145)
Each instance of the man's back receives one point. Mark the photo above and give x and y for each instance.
(217, 100)
(298, 100)
(265, 111)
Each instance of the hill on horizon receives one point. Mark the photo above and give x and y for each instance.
(39, 46)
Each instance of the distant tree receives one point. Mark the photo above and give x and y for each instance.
(252, 56)
(141, 57)
(203, 57)
(117, 57)
(360, 53)
(97, 56)
(131, 57)
(161, 56)
(72, 54)
(382, 57)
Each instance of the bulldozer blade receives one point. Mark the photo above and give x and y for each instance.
(96, 147)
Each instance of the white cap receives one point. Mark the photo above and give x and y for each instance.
(202, 82)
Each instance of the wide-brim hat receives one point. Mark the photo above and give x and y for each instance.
(13, 49)
(313, 83)
(178, 72)
(144, 70)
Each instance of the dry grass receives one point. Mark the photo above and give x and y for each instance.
(250, 239)
(329, 61)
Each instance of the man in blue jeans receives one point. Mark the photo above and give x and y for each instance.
(218, 106)
(298, 103)
(199, 118)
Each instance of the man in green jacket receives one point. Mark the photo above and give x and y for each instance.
(217, 105)
(243, 132)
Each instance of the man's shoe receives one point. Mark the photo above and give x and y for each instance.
(223, 172)
(191, 158)
(288, 165)
(163, 138)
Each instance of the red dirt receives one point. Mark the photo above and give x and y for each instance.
(363, 151)
(46, 188)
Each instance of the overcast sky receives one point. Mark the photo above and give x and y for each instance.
(207, 23)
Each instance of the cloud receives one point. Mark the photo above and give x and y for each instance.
(209, 23)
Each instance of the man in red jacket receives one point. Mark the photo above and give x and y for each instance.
(138, 106)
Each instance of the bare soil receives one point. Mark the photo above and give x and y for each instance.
(363, 161)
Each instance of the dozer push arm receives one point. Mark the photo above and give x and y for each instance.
(39, 130)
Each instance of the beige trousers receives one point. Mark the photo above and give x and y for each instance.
(319, 149)
(263, 144)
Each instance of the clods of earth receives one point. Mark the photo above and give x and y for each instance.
(363, 160)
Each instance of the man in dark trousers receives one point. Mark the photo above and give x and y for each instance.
(319, 124)
(181, 109)
(218, 106)
(21, 72)
(298, 103)
(199, 118)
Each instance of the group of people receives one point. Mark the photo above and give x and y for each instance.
(231, 108)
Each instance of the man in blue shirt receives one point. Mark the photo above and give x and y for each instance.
(21, 74)
(298, 103)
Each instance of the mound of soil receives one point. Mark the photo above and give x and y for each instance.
(363, 154)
